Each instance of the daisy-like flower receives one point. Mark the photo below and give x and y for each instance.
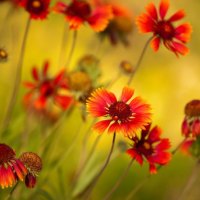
(120, 25)
(38, 9)
(11, 168)
(34, 165)
(174, 38)
(125, 115)
(45, 89)
(191, 122)
(81, 11)
(151, 147)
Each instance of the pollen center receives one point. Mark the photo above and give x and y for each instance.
(6, 153)
(120, 111)
(192, 108)
(165, 30)
(147, 145)
(36, 4)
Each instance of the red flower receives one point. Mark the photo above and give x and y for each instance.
(163, 29)
(45, 88)
(11, 169)
(38, 9)
(121, 116)
(120, 25)
(80, 11)
(151, 147)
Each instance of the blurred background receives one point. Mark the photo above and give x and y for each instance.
(163, 80)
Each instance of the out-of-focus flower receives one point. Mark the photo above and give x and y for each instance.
(34, 165)
(3, 55)
(120, 26)
(45, 89)
(81, 11)
(174, 38)
(126, 67)
(151, 147)
(38, 9)
(11, 168)
(125, 115)
(191, 122)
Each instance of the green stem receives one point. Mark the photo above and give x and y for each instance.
(88, 190)
(139, 60)
(11, 192)
(119, 181)
(13, 99)
(68, 62)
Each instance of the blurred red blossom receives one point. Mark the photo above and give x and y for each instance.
(11, 168)
(45, 89)
(121, 116)
(174, 38)
(151, 147)
(78, 12)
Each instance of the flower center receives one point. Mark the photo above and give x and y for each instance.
(6, 153)
(120, 111)
(35, 6)
(147, 145)
(192, 108)
(47, 88)
(79, 8)
(165, 30)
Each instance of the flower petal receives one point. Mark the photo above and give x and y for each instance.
(155, 43)
(63, 101)
(177, 16)
(151, 10)
(101, 126)
(164, 5)
(127, 93)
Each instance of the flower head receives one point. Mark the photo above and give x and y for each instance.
(125, 115)
(3, 55)
(38, 9)
(163, 29)
(81, 11)
(45, 89)
(151, 147)
(34, 165)
(11, 169)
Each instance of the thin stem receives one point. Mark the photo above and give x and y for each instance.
(134, 191)
(119, 181)
(139, 60)
(87, 191)
(11, 192)
(68, 62)
(17, 79)
(190, 182)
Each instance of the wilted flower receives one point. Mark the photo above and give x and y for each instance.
(151, 147)
(38, 9)
(34, 165)
(120, 115)
(45, 89)
(11, 168)
(82, 11)
(174, 38)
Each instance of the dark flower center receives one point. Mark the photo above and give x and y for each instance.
(165, 30)
(80, 9)
(192, 109)
(6, 153)
(120, 111)
(35, 6)
(144, 147)
(47, 88)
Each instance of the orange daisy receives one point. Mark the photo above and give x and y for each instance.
(125, 115)
(11, 168)
(174, 38)
(81, 11)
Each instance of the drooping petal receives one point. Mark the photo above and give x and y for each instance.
(164, 6)
(162, 158)
(40, 102)
(63, 101)
(101, 126)
(152, 168)
(29, 85)
(180, 48)
(135, 155)
(183, 32)
(155, 43)
(177, 16)
(127, 93)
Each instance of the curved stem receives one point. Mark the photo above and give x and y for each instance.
(87, 191)
(11, 192)
(139, 60)
(134, 191)
(17, 79)
(119, 181)
(68, 62)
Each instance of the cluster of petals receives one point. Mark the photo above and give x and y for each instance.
(126, 115)
(38, 9)
(150, 146)
(45, 89)
(78, 12)
(174, 38)
(11, 168)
